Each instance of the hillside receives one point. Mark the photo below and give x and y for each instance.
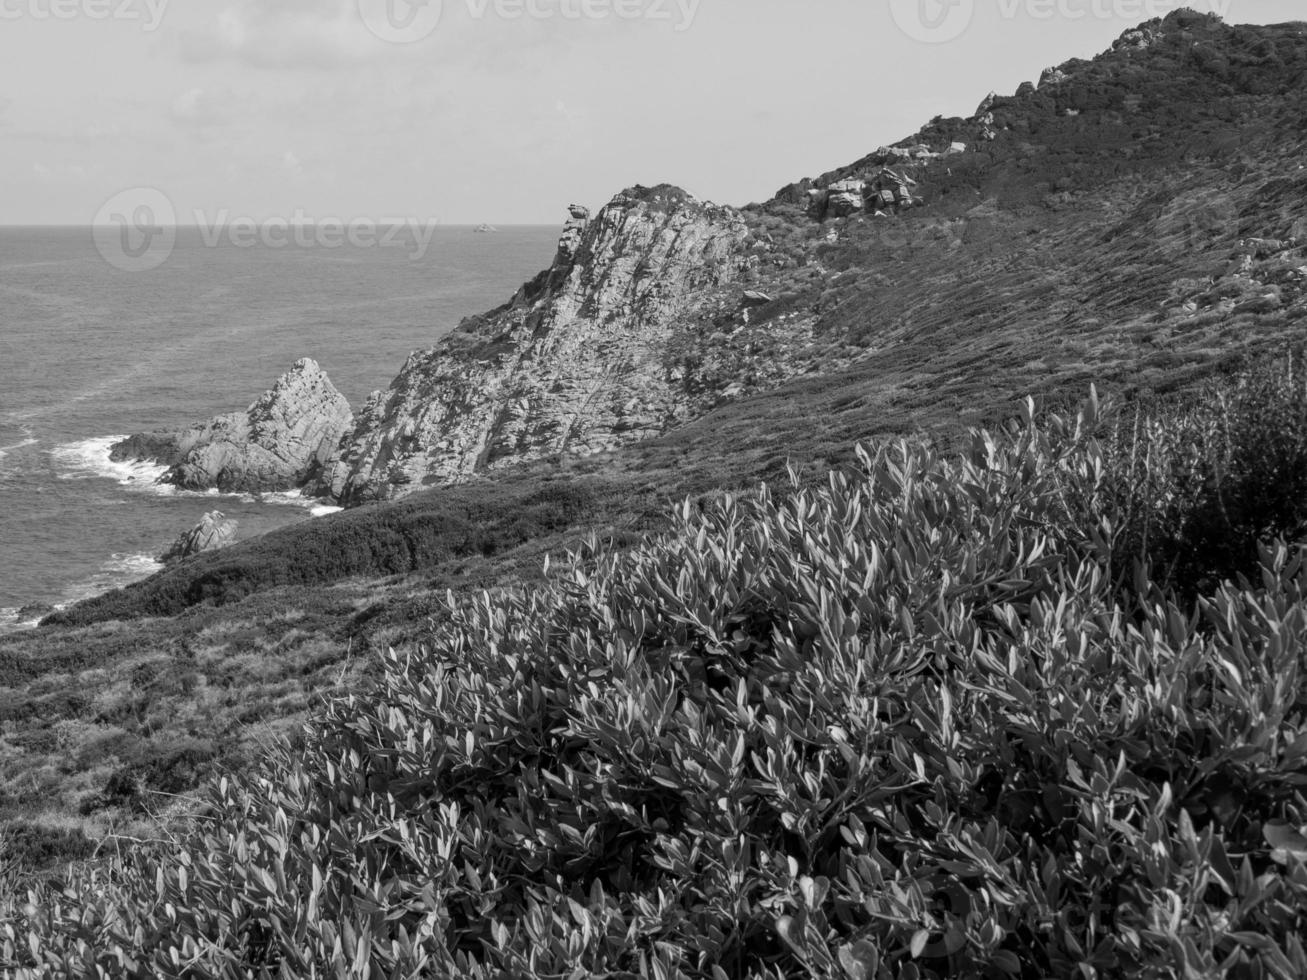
(1135, 221)
(921, 721)
(1090, 210)
(1111, 232)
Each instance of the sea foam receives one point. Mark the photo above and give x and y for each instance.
(9, 621)
(29, 439)
(296, 498)
(91, 459)
(118, 571)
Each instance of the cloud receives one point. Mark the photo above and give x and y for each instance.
(272, 34)
(200, 108)
(59, 172)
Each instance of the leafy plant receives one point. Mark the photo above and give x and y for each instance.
(1201, 483)
(904, 724)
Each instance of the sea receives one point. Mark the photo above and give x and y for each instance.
(91, 352)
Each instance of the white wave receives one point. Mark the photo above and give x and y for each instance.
(118, 571)
(9, 621)
(295, 498)
(6, 450)
(29, 439)
(90, 460)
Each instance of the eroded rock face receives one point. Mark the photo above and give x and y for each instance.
(846, 198)
(1052, 76)
(281, 442)
(581, 361)
(213, 532)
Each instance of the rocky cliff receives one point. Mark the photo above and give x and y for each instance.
(584, 358)
(661, 308)
(281, 442)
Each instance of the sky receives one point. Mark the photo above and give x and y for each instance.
(502, 111)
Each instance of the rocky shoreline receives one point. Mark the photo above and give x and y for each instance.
(280, 443)
(581, 360)
(655, 311)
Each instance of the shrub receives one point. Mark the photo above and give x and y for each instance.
(29, 847)
(902, 725)
(1197, 486)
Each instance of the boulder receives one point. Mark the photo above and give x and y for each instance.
(955, 148)
(279, 443)
(573, 232)
(159, 447)
(1053, 76)
(1138, 40)
(213, 532)
(846, 198)
(986, 107)
(754, 297)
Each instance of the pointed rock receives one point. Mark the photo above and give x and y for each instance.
(279, 443)
(213, 532)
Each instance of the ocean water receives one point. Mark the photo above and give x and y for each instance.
(90, 353)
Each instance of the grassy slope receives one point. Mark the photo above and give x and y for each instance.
(913, 722)
(1053, 260)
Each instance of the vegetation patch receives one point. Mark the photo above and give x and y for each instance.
(914, 722)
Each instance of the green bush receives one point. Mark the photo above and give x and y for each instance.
(27, 847)
(1197, 487)
(417, 533)
(900, 726)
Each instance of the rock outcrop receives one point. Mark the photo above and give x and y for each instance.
(846, 198)
(1138, 40)
(1053, 76)
(213, 532)
(582, 360)
(880, 192)
(281, 442)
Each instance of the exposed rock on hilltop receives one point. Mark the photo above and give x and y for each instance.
(279, 443)
(580, 361)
